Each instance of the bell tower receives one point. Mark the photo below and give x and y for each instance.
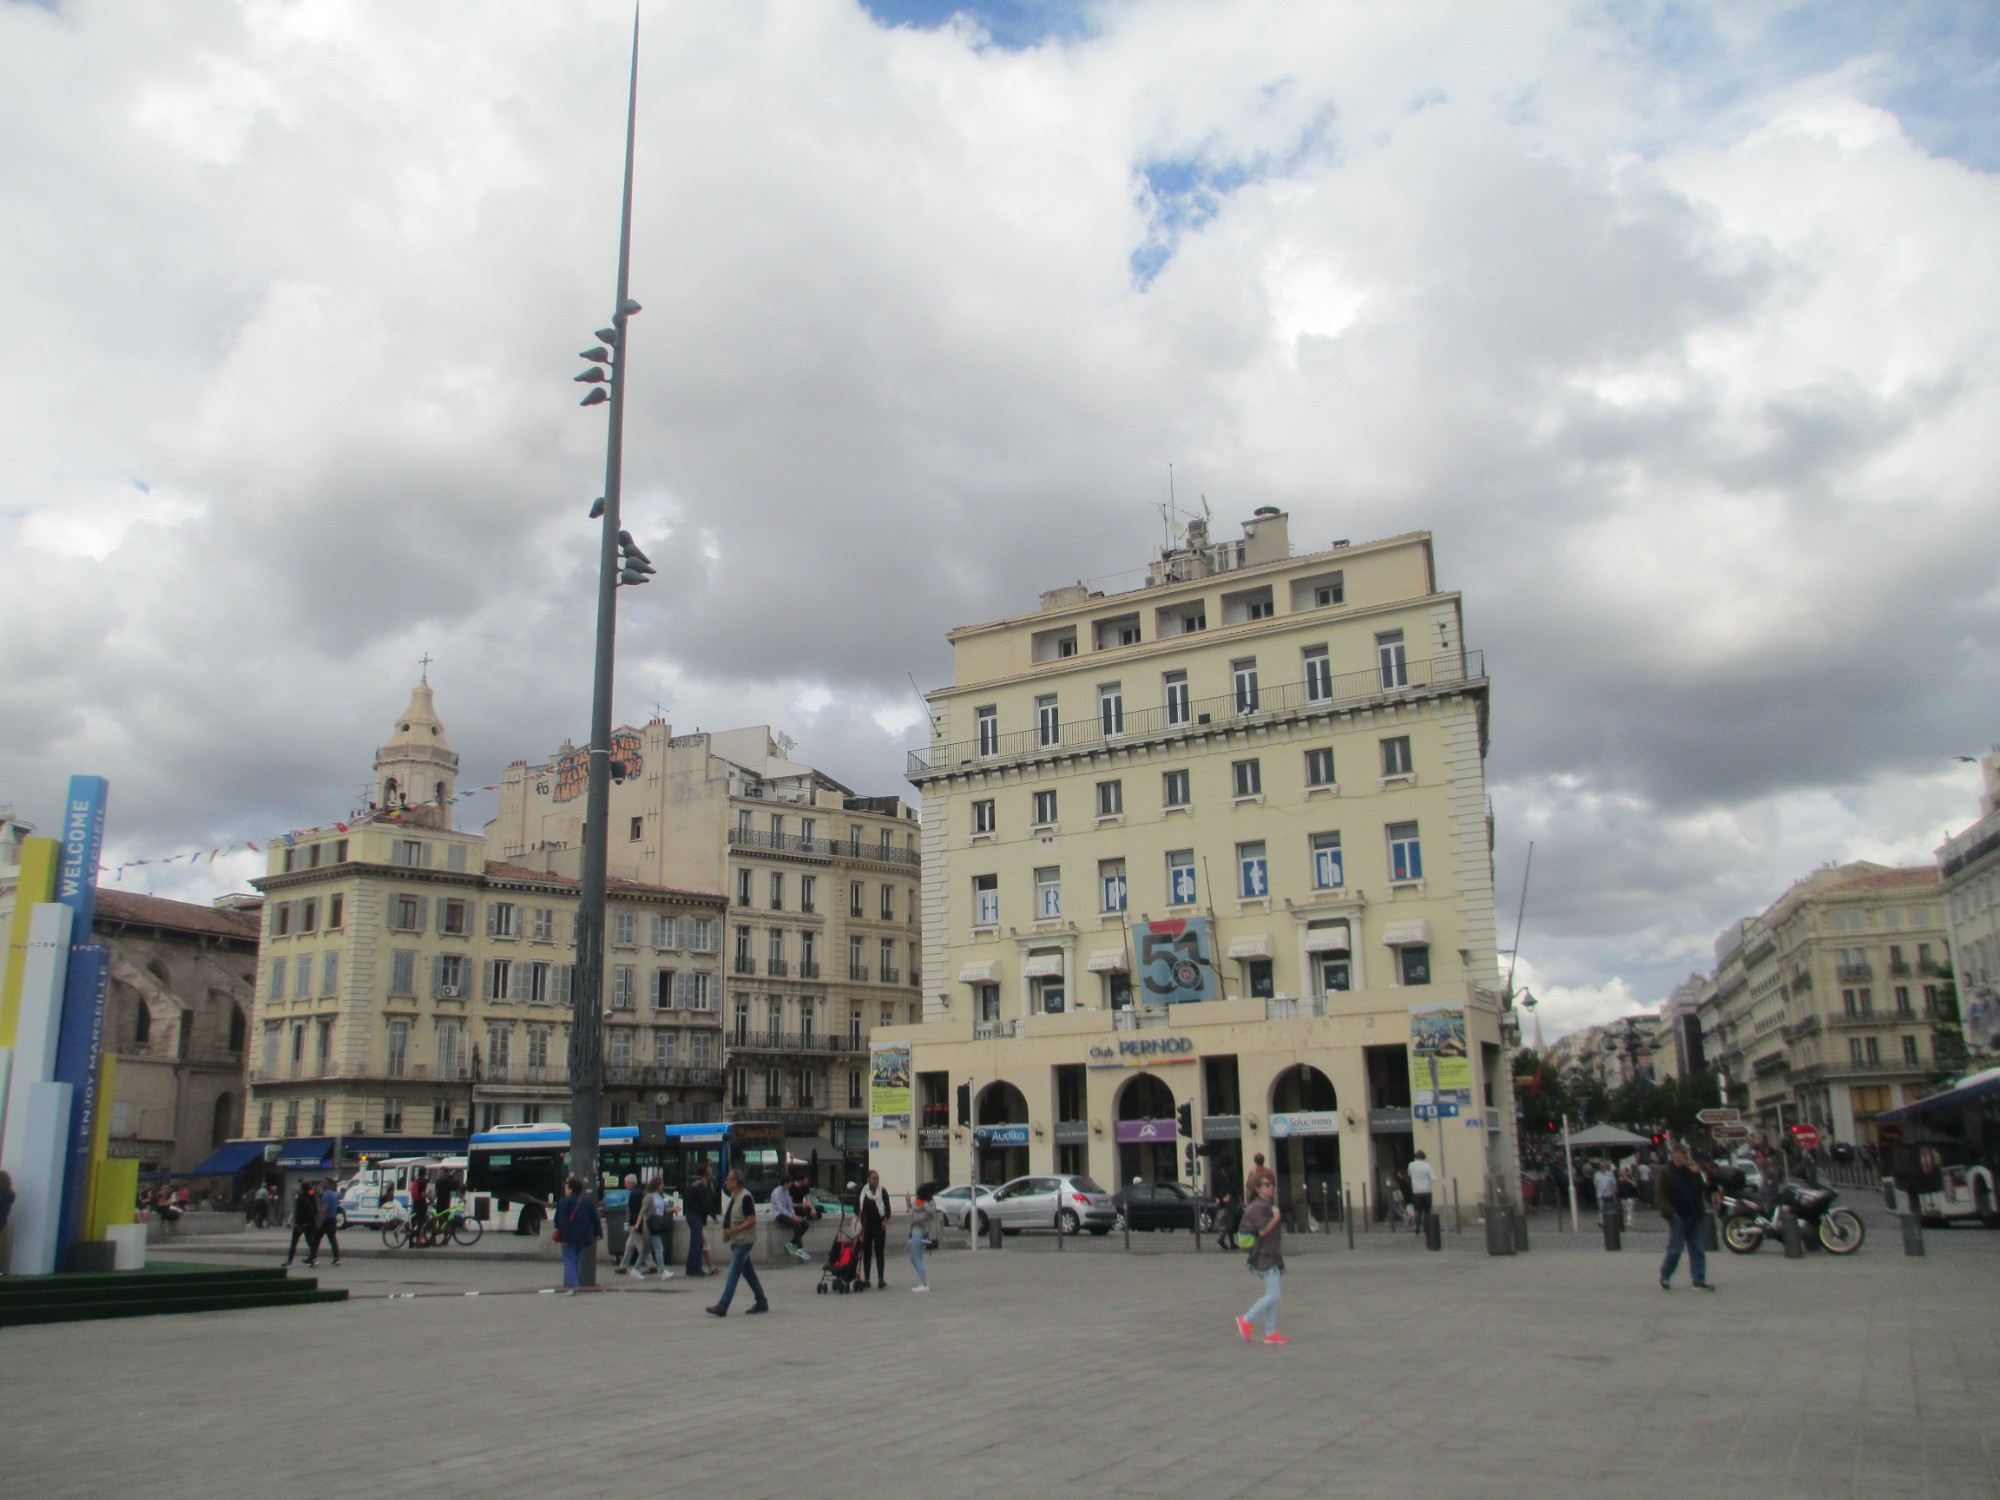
(416, 772)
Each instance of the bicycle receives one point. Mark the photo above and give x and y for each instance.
(435, 1227)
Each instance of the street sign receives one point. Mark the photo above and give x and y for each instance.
(1807, 1136)
(1720, 1116)
(1730, 1132)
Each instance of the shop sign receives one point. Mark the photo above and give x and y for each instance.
(1141, 1052)
(1306, 1122)
(934, 1137)
(1001, 1135)
(889, 1085)
(1136, 1132)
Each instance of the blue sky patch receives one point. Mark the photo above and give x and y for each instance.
(1013, 24)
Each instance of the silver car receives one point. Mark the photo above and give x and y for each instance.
(952, 1206)
(1038, 1202)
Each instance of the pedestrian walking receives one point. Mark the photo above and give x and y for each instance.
(260, 1206)
(873, 1206)
(1262, 1220)
(657, 1224)
(1222, 1187)
(578, 1229)
(635, 1238)
(700, 1207)
(1254, 1179)
(305, 1224)
(922, 1217)
(1604, 1183)
(1423, 1181)
(1628, 1194)
(739, 1233)
(1679, 1192)
(329, 1217)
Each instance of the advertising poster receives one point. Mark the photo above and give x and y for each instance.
(1437, 1037)
(1173, 961)
(889, 1086)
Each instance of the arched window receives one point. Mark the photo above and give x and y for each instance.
(389, 792)
(223, 1123)
(239, 1028)
(440, 794)
(142, 1021)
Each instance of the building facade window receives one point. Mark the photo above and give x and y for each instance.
(1406, 854)
(1243, 680)
(1181, 887)
(1111, 882)
(1048, 721)
(1111, 710)
(1045, 808)
(399, 1048)
(1110, 798)
(985, 900)
(1390, 659)
(1247, 777)
(1413, 964)
(1174, 789)
(1396, 755)
(1327, 872)
(1048, 892)
(1175, 685)
(1319, 675)
(1253, 871)
(988, 730)
(983, 819)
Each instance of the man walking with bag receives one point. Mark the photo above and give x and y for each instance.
(739, 1233)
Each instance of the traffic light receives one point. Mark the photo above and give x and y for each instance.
(965, 1104)
(1185, 1115)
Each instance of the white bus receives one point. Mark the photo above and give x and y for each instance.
(383, 1182)
(1939, 1155)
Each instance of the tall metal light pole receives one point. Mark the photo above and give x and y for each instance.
(586, 1044)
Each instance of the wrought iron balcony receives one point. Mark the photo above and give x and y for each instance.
(743, 965)
(1262, 705)
(790, 1041)
(858, 973)
(1855, 973)
(891, 974)
(777, 968)
(808, 968)
(787, 843)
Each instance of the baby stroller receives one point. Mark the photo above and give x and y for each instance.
(842, 1272)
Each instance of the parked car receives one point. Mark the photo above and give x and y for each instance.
(953, 1204)
(1071, 1203)
(1164, 1205)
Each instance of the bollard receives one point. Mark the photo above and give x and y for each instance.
(1127, 1218)
(1433, 1231)
(1518, 1222)
(1613, 1230)
(1347, 1212)
(1499, 1237)
(1366, 1216)
(1913, 1234)
(1792, 1234)
(994, 1235)
(1457, 1215)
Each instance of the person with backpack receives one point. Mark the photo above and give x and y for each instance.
(739, 1233)
(1265, 1229)
(657, 1223)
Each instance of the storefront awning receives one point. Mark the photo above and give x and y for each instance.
(1043, 966)
(313, 1151)
(1256, 946)
(1331, 938)
(1108, 961)
(1406, 934)
(980, 971)
(227, 1161)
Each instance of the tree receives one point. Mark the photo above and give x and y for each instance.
(1947, 1033)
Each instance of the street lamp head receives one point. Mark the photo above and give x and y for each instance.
(597, 397)
(606, 335)
(593, 376)
(597, 507)
(631, 307)
(596, 356)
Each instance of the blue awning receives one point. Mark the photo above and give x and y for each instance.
(313, 1151)
(403, 1145)
(227, 1161)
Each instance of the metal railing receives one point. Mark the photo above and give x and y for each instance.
(777, 968)
(808, 969)
(987, 1031)
(857, 972)
(890, 975)
(1279, 701)
(791, 1041)
(742, 965)
(788, 843)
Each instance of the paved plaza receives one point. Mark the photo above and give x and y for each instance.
(1563, 1371)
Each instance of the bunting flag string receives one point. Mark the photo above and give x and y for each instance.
(391, 815)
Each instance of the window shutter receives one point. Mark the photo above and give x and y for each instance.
(437, 974)
(423, 912)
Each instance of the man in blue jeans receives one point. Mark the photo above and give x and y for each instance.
(1680, 1193)
(698, 1207)
(739, 1233)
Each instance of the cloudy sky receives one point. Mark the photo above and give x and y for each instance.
(1675, 322)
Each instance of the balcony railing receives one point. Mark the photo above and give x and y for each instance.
(1283, 700)
(742, 965)
(797, 1121)
(1818, 1072)
(988, 1031)
(1855, 973)
(791, 1041)
(777, 968)
(787, 843)
(654, 1075)
(858, 973)
(891, 975)
(808, 968)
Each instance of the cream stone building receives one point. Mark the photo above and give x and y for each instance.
(824, 932)
(1970, 867)
(411, 988)
(1825, 1004)
(1206, 844)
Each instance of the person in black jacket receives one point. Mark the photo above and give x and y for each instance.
(874, 1209)
(305, 1222)
(698, 1205)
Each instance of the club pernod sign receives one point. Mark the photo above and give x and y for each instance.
(1142, 1052)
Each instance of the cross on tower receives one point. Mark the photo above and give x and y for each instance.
(425, 661)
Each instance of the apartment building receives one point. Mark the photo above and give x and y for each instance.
(823, 929)
(411, 989)
(1825, 1004)
(1218, 841)
(1969, 866)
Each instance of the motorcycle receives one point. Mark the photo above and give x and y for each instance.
(1746, 1221)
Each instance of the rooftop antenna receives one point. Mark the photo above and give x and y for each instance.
(1520, 916)
(930, 714)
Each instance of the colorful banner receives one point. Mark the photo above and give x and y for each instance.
(1140, 1132)
(1173, 961)
(889, 1085)
(1440, 1062)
